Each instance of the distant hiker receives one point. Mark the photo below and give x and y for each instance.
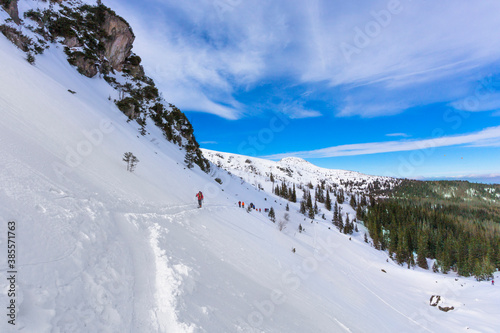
(239, 203)
(242, 204)
(199, 195)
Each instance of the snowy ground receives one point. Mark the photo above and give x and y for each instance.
(100, 249)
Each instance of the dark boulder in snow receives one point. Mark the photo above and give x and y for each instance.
(435, 299)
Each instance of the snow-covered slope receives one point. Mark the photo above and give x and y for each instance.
(100, 249)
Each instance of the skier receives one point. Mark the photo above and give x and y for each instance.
(199, 195)
(239, 203)
(242, 204)
(492, 282)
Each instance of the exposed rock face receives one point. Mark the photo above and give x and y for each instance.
(16, 37)
(85, 65)
(71, 42)
(118, 44)
(11, 9)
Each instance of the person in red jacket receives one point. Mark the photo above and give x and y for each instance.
(199, 195)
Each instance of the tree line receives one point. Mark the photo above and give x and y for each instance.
(413, 230)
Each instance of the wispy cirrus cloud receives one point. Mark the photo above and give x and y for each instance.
(206, 53)
(403, 135)
(489, 137)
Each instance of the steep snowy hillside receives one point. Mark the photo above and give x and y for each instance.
(101, 249)
(293, 170)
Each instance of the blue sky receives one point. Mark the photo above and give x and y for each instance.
(399, 87)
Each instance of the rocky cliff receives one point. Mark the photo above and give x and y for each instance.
(98, 41)
(10, 6)
(118, 41)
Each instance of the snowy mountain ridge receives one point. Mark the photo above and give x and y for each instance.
(293, 170)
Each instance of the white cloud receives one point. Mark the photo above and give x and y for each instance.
(489, 137)
(429, 51)
(296, 110)
(403, 135)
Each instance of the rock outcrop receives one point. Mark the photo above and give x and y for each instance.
(72, 42)
(16, 37)
(86, 66)
(10, 7)
(434, 301)
(446, 308)
(119, 40)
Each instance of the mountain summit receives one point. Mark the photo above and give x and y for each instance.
(293, 160)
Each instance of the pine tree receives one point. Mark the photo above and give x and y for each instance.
(363, 201)
(309, 202)
(411, 263)
(272, 215)
(340, 196)
(360, 213)
(352, 203)
(190, 156)
(303, 207)
(328, 201)
(347, 225)
(422, 250)
(294, 195)
(311, 213)
(131, 161)
(335, 214)
(340, 224)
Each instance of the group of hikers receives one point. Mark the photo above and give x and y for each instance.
(241, 204)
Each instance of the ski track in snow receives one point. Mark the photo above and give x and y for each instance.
(342, 325)
(152, 267)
